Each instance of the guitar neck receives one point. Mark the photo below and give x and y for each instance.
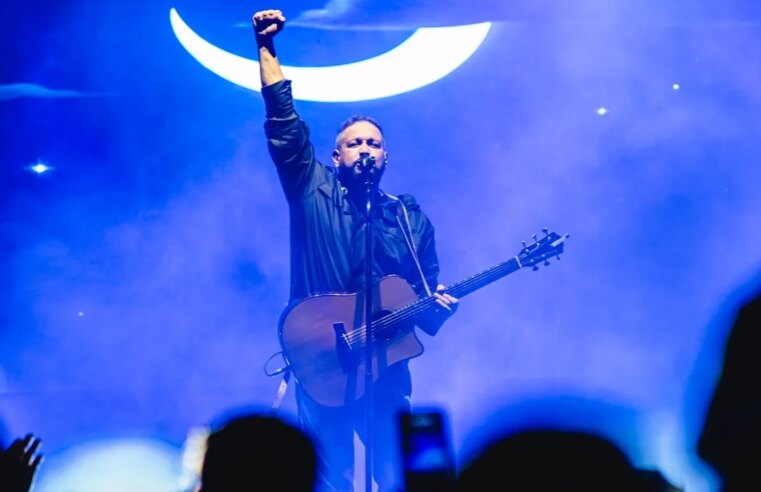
(460, 289)
(484, 278)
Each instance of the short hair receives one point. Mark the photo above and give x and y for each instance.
(550, 459)
(356, 118)
(251, 449)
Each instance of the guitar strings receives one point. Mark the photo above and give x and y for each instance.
(484, 277)
(423, 304)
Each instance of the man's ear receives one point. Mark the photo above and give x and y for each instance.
(336, 157)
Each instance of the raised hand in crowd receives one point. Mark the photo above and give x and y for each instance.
(19, 464)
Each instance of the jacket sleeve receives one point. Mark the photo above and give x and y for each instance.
(288, 142)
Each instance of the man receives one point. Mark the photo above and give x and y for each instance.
(327, 206)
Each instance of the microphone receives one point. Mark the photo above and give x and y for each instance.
(366, 162)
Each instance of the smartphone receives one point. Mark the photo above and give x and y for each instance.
(426, 450)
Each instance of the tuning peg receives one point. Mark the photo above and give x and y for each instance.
(546, 231)
(535, 268)
(546, 262)
(534, 236)
(557, 257)
(524, 244)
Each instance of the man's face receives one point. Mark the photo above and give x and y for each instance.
(359, 140)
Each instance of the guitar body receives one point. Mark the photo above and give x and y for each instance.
(322, 338)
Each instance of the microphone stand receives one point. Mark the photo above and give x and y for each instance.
(368, 171)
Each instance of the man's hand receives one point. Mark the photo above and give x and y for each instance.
(268, 23)
(18, 464)
(446, 305)
(447, 302)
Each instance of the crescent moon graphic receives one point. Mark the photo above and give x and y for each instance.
(428, 55)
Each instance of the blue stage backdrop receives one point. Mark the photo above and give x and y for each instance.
(145, 239)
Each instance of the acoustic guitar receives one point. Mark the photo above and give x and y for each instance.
(323, 336)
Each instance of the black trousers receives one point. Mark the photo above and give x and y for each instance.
(334, 429)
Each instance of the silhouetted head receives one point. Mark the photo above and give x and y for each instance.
(544, 459)
(730, 440)
(252, 450)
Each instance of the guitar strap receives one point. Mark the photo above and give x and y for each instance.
(407, 233)
(281, 390)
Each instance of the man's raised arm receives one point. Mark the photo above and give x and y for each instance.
(267, 23)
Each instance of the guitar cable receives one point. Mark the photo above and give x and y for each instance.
(286, 372)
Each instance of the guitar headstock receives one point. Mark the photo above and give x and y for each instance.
(542, 249)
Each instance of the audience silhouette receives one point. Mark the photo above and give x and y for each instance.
(256, 451)
(730, 440)
(557, 460)
(251, 449)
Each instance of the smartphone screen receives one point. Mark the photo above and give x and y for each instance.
(427, 455)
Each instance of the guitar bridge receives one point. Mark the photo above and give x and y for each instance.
(343, 347)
